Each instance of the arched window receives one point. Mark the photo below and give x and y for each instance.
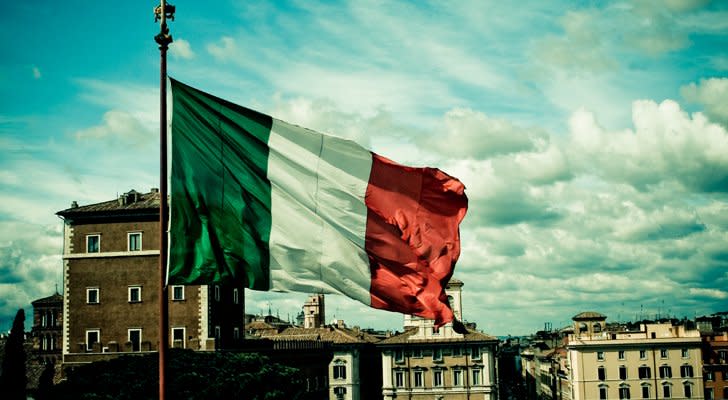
(645, 391)
(603, 389)
(597, 327)
(686, 371)
(601, 373)
(624, 392)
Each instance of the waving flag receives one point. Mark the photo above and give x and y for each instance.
(279, 207)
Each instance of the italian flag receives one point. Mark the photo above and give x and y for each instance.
(274, 206)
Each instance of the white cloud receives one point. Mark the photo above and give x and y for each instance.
(712, 94)
(36, 73)
(181, 48)
(712, 293)
(666, 144)
(120, 126)
(469, 133)
(225, 50)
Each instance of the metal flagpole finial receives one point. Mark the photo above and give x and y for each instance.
(162, 12)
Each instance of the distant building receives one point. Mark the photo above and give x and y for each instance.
(658, 361)
(715, 365)
(47, 332)
(111, 282)
(314, 311)
(353, 370)
(425, 363)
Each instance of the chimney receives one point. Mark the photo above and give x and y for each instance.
(74, 204)
(155, 190)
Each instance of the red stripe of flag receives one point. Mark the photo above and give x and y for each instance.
(412, 237)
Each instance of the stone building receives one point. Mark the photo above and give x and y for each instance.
(111, 282)
(46, 333)
(353, 370)
(657, 361)
(426, 363)
(715, 365)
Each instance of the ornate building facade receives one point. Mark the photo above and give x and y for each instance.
(426, 363)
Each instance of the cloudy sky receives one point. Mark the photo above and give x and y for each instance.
(592, 136)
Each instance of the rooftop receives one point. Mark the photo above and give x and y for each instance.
(129, 202)
(410, 331)
(589, 316)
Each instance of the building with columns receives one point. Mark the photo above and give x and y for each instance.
(426, 363)
(47, 331)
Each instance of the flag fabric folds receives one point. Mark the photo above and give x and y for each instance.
(274, 206)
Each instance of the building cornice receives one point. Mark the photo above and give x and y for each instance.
(109, 254)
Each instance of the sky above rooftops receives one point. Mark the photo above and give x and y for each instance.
(591, 136)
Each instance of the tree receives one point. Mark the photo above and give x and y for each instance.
(191, 375)
(13, 379)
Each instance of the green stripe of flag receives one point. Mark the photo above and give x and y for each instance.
(220, 213)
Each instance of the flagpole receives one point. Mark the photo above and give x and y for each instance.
(161, 13)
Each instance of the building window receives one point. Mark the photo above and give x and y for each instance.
(665, 371)
(92, 295)
(93, 336)
(135, 337)
(437, 355)
(602, 393)
(217, 332)
(236, 298)
(340, 392)
(398, 356)
(600, 355)
(178, 292)
(688, 388)
(475, 353)
(419, 382)
(645, 392)
(601, 374)
(686, 371)
(456, 351)
(437, 378)
(666, 391)
(339, 371)
(644, 372)
(178, 337)
(685, 353)
(663, 353)
(725, 392)
(93, 243)
(709, 394)
(708, 375)
(135, 294)
(457, 377)
(622, 372)
(476, 377)
(217, 293)
(621, 354)
(134, 241)
(624, 392)
(417, 353)
(722, 356)
(643, 354)
(236, 333)
(399, 379)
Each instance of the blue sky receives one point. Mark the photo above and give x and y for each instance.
(591, 136)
